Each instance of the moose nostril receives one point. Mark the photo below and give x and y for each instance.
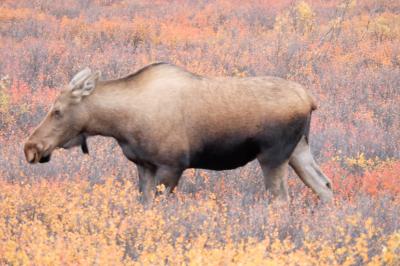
(32, 160)
(31, 152)
(328, 185)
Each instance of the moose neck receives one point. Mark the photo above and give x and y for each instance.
(110, 109)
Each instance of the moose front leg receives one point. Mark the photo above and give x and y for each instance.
(149, 179)
(168, 176)
(147, 183)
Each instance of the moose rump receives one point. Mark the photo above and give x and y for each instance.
(234, 121)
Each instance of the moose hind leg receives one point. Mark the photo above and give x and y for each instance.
(275, 179)
(307, 169)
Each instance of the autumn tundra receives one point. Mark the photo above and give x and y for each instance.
(166, 120)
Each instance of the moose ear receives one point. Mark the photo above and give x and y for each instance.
(86, 84)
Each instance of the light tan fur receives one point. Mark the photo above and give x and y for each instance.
(167, 119)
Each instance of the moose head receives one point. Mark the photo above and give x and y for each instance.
(63, 126)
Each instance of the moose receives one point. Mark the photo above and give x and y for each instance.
(167, 119)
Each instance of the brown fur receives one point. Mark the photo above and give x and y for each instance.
(167, 119)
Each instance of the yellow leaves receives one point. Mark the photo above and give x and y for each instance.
(304, 17)
(8, 249)
(13, 255)
(390, 251)
(83, 226)
(160, 188)
(381, 27)
(237, 72)
(299, 21)
(361, 161)
(304, 11)
(4, 100)
(386, 25)
(352, 220)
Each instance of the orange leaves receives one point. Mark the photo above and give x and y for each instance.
(9, 14)
(351, 66)
(361, 176)
(384, 180)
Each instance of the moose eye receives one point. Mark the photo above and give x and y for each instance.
(57, 113)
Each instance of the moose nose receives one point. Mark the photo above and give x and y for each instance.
(32, 151)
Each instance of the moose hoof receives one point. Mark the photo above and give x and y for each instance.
(326, 196)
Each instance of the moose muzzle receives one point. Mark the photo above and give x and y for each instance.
(36, 153)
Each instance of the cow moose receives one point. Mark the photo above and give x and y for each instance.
(167, 119)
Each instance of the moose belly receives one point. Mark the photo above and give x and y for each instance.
(224, 155)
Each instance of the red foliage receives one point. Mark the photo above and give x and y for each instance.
(383, 180)
(348, 56)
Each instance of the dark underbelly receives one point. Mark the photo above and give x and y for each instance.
(224, 155)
